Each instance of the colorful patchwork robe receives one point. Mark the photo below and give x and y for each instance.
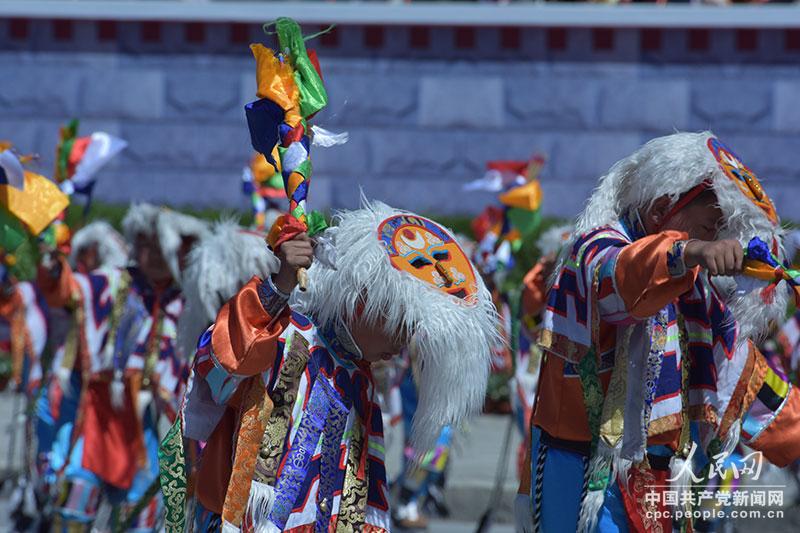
(290, 416)
(664, 334)
(23, 335)
(118, 322)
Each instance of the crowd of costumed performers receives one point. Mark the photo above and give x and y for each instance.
(183, 375)
(92, 318)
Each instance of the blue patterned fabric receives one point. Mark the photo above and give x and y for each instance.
(557, 494)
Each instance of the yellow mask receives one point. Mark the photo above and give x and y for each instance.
(425, 250)
(743, 177)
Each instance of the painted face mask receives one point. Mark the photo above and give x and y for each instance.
(743, 177)
(425, 250)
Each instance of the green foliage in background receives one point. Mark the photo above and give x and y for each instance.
(114, 213)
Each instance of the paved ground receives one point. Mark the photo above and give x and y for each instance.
(452, 526)
(12, 437)
(473, 468)
(12, 446)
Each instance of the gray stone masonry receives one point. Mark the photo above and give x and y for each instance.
(423, 117)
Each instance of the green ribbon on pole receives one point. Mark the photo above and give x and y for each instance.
(526, 222)
(69, 134)
(12, 232)
(316, 223)
(16, 241)
(313, 95)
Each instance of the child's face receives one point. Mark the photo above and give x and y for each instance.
(700, 219)
(88, 258)
(375, 345)
(151, 260)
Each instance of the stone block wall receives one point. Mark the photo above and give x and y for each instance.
(426, 108)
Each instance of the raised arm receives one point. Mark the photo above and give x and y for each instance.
(632, 280)
(534, 289)
(243, 341)
(57, 283)
(244, 336)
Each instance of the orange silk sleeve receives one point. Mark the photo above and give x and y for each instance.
(57, 290)
(642, 276)
(245, 335)
(534, 290)
(771, 413)
(780, 440)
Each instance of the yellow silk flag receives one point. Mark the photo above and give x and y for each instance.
(37, 204)
(528, 196)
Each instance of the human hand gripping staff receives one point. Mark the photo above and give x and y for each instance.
(753, 265)
(760, 263)
(290, 92)
(295, 255)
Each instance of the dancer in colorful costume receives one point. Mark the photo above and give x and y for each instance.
(23, 322)
(24, 319)
(528, 354)
(123, 368)
(29, 202)
(296, 441)
(217, 268)
(642, 339)
(23, 312)
(96, 246)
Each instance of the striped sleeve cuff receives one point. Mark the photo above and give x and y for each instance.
(272, 299)
(675, 262)
(766, 406)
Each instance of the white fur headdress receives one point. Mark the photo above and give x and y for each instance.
(111, 248)
(140, 219)
(791, 243)
(452, 337)
(219, 265)
(671, 166)
(553, 239)
(171, 228)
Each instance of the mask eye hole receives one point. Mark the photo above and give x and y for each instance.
(441, 255)
(420, 262)
(461, 293)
